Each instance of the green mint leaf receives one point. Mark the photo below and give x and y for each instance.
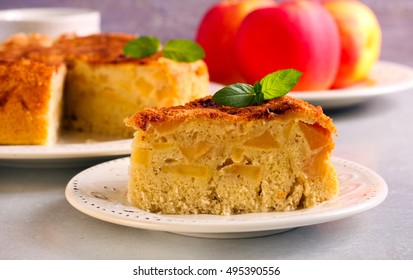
(141, 47)
(279, 83)
(183, 50)
(271, 86)
(257, 87)
(259, 96)
(236, 95)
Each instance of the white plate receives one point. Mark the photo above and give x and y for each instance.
(385, 78)
(72, 149)
(100, 191)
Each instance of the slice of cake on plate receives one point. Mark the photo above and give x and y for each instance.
(212, 159)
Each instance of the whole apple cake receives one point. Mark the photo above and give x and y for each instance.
(206, 158)
(85, 84)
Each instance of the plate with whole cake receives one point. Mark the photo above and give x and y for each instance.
(385, 78)
(82, 83)
(101, 192)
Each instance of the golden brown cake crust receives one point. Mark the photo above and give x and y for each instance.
(34, 47)
(105, 48)
(18, 78)
(97, 48)
(208, 109)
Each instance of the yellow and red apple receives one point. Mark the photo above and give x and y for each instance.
(216, 33)
(360, 35)
(294, 34)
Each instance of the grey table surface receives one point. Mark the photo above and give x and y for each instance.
(37, 222)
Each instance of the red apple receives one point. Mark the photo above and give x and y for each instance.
(295, 34)
(216, 33)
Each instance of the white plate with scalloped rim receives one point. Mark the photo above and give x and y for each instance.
(100, 192)
(385, 78)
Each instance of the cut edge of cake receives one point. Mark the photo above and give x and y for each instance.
(30, 102)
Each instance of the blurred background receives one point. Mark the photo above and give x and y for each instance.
(169, 19)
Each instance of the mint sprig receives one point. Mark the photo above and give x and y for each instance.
(274, 85)
(236, 95)
(181, 50)
(141, 47)
(279, 83)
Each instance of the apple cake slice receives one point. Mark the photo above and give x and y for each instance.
(206, 158)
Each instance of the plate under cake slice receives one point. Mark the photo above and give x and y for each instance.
(206, 158)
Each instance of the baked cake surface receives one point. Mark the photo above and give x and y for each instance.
(101, 86)
(213, 159)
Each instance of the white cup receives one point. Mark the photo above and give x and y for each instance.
(52, 22)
